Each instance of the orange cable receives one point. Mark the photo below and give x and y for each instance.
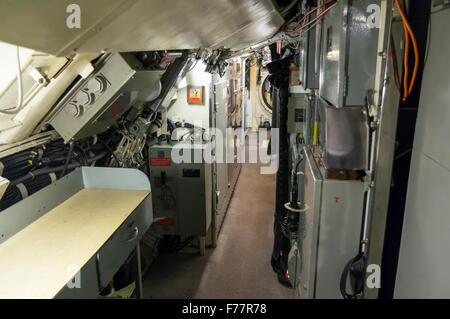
(400, 7)
(297, 29)
(408, 30)
(307, 14)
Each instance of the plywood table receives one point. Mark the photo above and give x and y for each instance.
(39, 260)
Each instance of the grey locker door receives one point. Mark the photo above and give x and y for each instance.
(221, 101)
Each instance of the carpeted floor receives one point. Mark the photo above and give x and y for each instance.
(239, 267)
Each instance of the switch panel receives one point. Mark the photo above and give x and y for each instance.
(96, 102)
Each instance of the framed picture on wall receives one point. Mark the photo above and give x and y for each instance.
(195, 94)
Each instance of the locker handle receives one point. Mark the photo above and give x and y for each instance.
(136, 233)
(217, 196)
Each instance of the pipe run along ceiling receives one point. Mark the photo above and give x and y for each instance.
(136, 25)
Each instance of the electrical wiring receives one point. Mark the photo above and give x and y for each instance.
(18, 164)
(305, 15)
(299, 26)
(315, 19)
(111, 151)
(69, 155)
(35, 168)
(297, 36)
(64, 168)
(400, 5)
(33, 185)
(294, 47)
(11, 196)
(408, 33)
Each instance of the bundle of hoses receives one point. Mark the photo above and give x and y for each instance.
(16, 192)
(19, 164)
(193, 128)
(279, 78)
(31, 170)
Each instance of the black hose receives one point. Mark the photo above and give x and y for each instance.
(279, 78)
(11, 196)
(111, 151)
(170, 126)
(147, 161)
(354, 271)
(83, 154)
(36, 184)
(66, 165)
(49, 170)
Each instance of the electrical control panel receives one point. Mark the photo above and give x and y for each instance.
(96, 102)
(182, 192)
(330, 230)
(296, 112)
(348, 53)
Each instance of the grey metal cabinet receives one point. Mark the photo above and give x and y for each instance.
(330, 231)
(113, 253)
(182, 192)
(221, 101)
(348, 53)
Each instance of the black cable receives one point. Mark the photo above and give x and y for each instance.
(18, 164)
(111, 151)
(170, 126)
(36, 184)
(147, 160)
(33, 167)
(48, 170)
(67, 160)
(354, 270)
(83, 154)
(11, 196)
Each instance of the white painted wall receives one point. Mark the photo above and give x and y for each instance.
(424, 258)
(8, 63)
(191, 113)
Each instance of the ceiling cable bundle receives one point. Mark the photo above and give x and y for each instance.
(298, 26)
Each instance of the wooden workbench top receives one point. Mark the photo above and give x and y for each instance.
(37, 262)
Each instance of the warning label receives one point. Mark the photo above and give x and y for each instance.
(164, 161)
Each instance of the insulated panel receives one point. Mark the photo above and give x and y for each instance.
(330, 231)
(349, 52)
(136, 25)
(424, 255)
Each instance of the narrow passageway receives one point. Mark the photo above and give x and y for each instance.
(239, 267)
